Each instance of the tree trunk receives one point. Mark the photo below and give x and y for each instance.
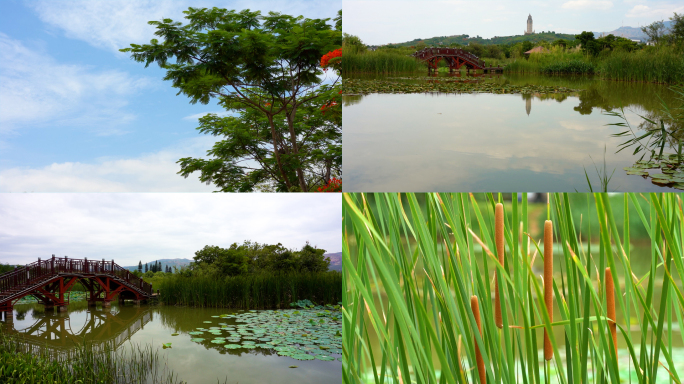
(277, 154)
(295, 150)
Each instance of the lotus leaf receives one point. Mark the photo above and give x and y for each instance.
(198, 339)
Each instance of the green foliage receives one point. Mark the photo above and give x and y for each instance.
(251, 258)
(411, 270)
(267, 290)
(266, 68)
(571, 66)
(384, 61)
(23, 365)
(352, 44)
(6, 268)
(247, 139)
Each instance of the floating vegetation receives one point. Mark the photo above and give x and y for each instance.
(310, 333)
(357, 86)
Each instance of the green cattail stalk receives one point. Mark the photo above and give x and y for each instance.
(499, 237)
(548, 284)
(475, 306)
(610, 302)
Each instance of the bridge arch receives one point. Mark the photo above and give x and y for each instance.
(456, 58)
(49, 280)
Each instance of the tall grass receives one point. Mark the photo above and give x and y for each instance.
(259, 291)
(20, 363)
(655, 65)
(380, 62)
(412, 272)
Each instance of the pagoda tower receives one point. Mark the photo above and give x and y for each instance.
(529, 31)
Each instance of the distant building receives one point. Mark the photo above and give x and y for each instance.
(529, 31)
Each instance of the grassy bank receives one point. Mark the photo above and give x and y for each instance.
(25, 364)
(258, 291)
(432, 308)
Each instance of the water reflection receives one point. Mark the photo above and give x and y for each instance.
(120, 326)
(485, 142)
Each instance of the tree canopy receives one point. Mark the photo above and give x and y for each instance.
(266, 69)
(250, 257)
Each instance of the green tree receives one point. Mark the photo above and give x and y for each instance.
(588, 42)
(268, 64)
(226, 262)
(140, 266)
(352, 44)
(146, 268)
(677, 28)
(311, 259)
(654, 31)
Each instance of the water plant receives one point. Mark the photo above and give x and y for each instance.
(420, 294)
(666, 131)
(302, 334)
(24, 363)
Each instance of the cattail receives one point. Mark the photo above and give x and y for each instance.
(499, 237)
(610, 302)
(548, 284)
(475, 306)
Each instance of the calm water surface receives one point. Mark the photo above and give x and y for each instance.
(496, 142)
(193, 362)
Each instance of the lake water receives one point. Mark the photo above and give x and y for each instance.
(483, 142)
(193, 361)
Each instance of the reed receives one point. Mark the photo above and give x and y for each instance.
(257, 291)
(475, 306)
(499, 236)
(26, 364)
(654, 64)
(548, 284)
(610, 307)
(414, 263)
(380, 62)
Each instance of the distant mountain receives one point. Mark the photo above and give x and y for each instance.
(467, 39)
(335, 261)
(631, 32)
(178, 263)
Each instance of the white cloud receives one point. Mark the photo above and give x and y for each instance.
(588, 4)
(155, 172)
(144, 226)
(645, 11)
(115, 24)
(36, 89)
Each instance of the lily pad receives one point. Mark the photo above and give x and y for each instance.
(324, 358)
(166, 345)
(302, 356)
(197, 340)
(175, 334)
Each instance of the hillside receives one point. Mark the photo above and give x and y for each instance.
(628, 32)
(467, 39)
(335, 261)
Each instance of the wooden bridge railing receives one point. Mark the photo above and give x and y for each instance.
(427, 53)
(42, 269)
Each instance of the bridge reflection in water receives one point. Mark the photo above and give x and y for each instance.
(60, 334)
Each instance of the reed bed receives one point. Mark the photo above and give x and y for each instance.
(419, 291)
(380, 62)
(26, 364)
(654, 65)
(258, 291)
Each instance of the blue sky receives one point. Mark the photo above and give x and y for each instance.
(76, 115)
(379, 22)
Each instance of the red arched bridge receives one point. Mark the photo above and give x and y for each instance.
(455, 58)
(49, 280)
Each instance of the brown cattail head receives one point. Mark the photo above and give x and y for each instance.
(475, 306)
(548, 284)
(610, 302)
(499, 237)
